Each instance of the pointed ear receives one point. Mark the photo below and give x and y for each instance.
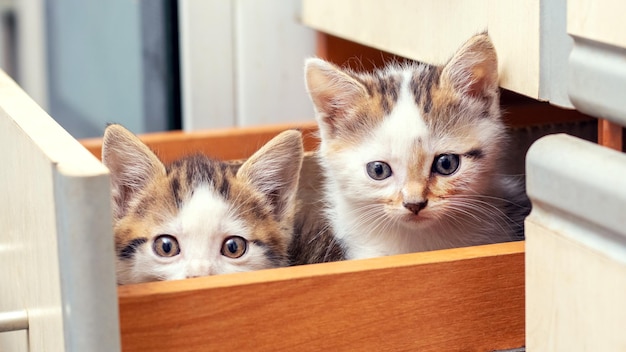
(333, 92)
(473, 70)
(274, 170)
(131, 163)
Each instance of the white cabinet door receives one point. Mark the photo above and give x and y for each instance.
(56, 243)
(242, 63)
(530, 36)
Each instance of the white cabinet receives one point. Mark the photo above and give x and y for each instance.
(530, 36)
(576, 232)
(575, 247)
(570, 53)
(242, 63)
(56, 244)
(597, 72)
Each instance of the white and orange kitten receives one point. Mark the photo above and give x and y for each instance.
(198, 216)
(412, 155)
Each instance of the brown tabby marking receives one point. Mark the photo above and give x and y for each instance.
(256, 200)
(412, 154)
(164, 195)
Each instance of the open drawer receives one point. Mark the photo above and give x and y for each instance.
(461, 299)
(56, 258)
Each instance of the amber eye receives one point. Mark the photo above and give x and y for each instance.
(166, 246)
(234, 247)
(378, 170)
(446, 164)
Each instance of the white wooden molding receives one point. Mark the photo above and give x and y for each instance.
(242, 63)
(575, 246)
(597, 69)
(597, 79)
(207, 64)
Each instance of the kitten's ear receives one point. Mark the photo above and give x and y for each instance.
(333, 92)
(473, 70)
(275, 171)
(131, 163)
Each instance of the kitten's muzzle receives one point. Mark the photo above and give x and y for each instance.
(415, 207)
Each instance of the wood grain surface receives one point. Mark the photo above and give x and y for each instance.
(467, 299)
(225, 144)
(610, 134)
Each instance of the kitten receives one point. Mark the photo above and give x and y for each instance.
(412, 155)
(198, 216)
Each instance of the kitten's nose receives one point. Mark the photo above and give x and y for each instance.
(415, 207)
(198, 268)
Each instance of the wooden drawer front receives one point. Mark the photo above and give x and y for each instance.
(56, 248)
(467, 299)
(529, 36)
(575, 247)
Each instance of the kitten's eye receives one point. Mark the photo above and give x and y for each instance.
(378, 170)
(166, 246)
(234, 247)
(446, 164)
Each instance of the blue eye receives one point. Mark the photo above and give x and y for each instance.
(166, 246)
(234, 247)
(378, 170)
(446, 164)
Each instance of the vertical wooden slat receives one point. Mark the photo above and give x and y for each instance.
(610, 134)
(321, 44)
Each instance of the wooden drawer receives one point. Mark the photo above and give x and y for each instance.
(530, 36)
(469, 298)
(460, 299)
(57, 260)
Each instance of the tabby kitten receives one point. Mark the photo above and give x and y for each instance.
(198, 216)
(412, 155)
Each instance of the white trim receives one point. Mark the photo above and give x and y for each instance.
(31, 49)
(207, 64)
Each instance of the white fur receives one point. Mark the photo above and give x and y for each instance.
(201, 226)
(360, 211)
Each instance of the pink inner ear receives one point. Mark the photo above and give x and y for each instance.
(331, 88)
(483, 79)
(473, 70)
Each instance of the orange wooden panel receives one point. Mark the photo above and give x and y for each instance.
(610, 134)
(517, 113)
(346, 53)
(224, 144)
(467, 299)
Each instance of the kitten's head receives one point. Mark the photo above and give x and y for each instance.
(198, 216)
(407, 142)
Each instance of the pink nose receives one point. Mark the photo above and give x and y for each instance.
(198, 269)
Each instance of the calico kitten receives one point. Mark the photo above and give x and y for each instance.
(412, 155)
(198, 216)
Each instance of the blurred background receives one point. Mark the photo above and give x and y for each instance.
(155, 65)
